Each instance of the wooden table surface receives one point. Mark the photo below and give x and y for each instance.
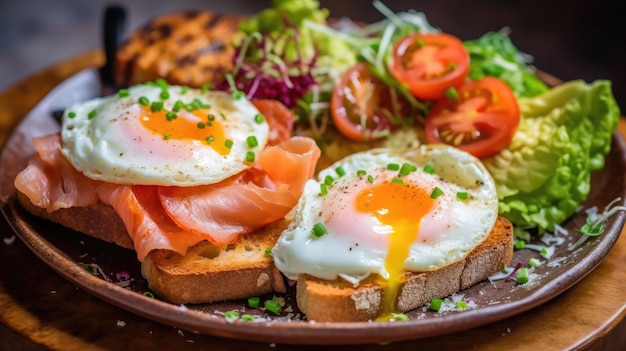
(40, 310)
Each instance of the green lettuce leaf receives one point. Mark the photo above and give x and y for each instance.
(564, 135)
(494, 54)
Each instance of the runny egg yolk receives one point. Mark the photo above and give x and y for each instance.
(400, 207)
(204, 128)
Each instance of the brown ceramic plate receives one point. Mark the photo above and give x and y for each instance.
(66, 252)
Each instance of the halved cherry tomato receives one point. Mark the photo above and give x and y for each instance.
(364, 108)
(481, 120)
(429, 63)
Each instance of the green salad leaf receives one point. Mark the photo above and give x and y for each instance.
(494, 54)
(564, 135)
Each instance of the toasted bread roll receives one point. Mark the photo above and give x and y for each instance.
(185, 48)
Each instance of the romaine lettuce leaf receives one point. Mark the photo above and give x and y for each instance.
(563, 136)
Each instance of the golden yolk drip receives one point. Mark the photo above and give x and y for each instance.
(401, 207)
(179, 128)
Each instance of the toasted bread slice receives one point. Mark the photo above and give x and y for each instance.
(205, 274)
(340, 301)
(100, 221)
(208, 273)
(185, 48)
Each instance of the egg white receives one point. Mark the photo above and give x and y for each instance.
(105, 139)
(456, 226)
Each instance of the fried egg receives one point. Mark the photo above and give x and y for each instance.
(156, 134)
(387, 212)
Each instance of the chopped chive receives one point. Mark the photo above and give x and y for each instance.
(238, 94)
(250, 156)
(419, 43)
(205, 87)
(273, 306)
(397, 181)
(543, 251)
(319, 229)
(178, 105)
(258, 118)
(209, 139)
(340, 171)
(360, 172)
(171, 115)
(252, 142)
(519, 244)
(164, 95)
(92, 114)
(393, 166)
(223, 116)
(461, 304)
(400, 317)
(162, 83)
(144, 101)
(196, 103)
(451, 93)
(201, 125)
(435, 304)
(461, 195)
(533, 262)
(210, 117)
(247, 317)
(228, 143)
(156, 106)
(407, 168)
(254, 301)
(436, 193)
(323, 189)
(452, 66)
(123, 93)
(166, 137)
(370, 178)
(148, 294)
(71, 114)
(328, 180)
(522, 275)
(430, 169)
(268, 251)
(231, 314)
(92, 268)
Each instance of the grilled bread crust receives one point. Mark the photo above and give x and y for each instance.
(184, 48)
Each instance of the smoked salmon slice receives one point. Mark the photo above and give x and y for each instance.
(279, 118)
(251, 200)
(51, 182)
(146, 222)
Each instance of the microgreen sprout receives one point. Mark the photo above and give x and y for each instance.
(594, 225)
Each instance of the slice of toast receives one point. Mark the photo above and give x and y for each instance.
(205, 274)
(208, 273)
(340, 301)
(185, 48)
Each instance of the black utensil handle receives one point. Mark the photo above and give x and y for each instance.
(113, 34)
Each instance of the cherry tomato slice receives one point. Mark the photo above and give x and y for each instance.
(364, 108)
(481, 120)
(429, 63)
